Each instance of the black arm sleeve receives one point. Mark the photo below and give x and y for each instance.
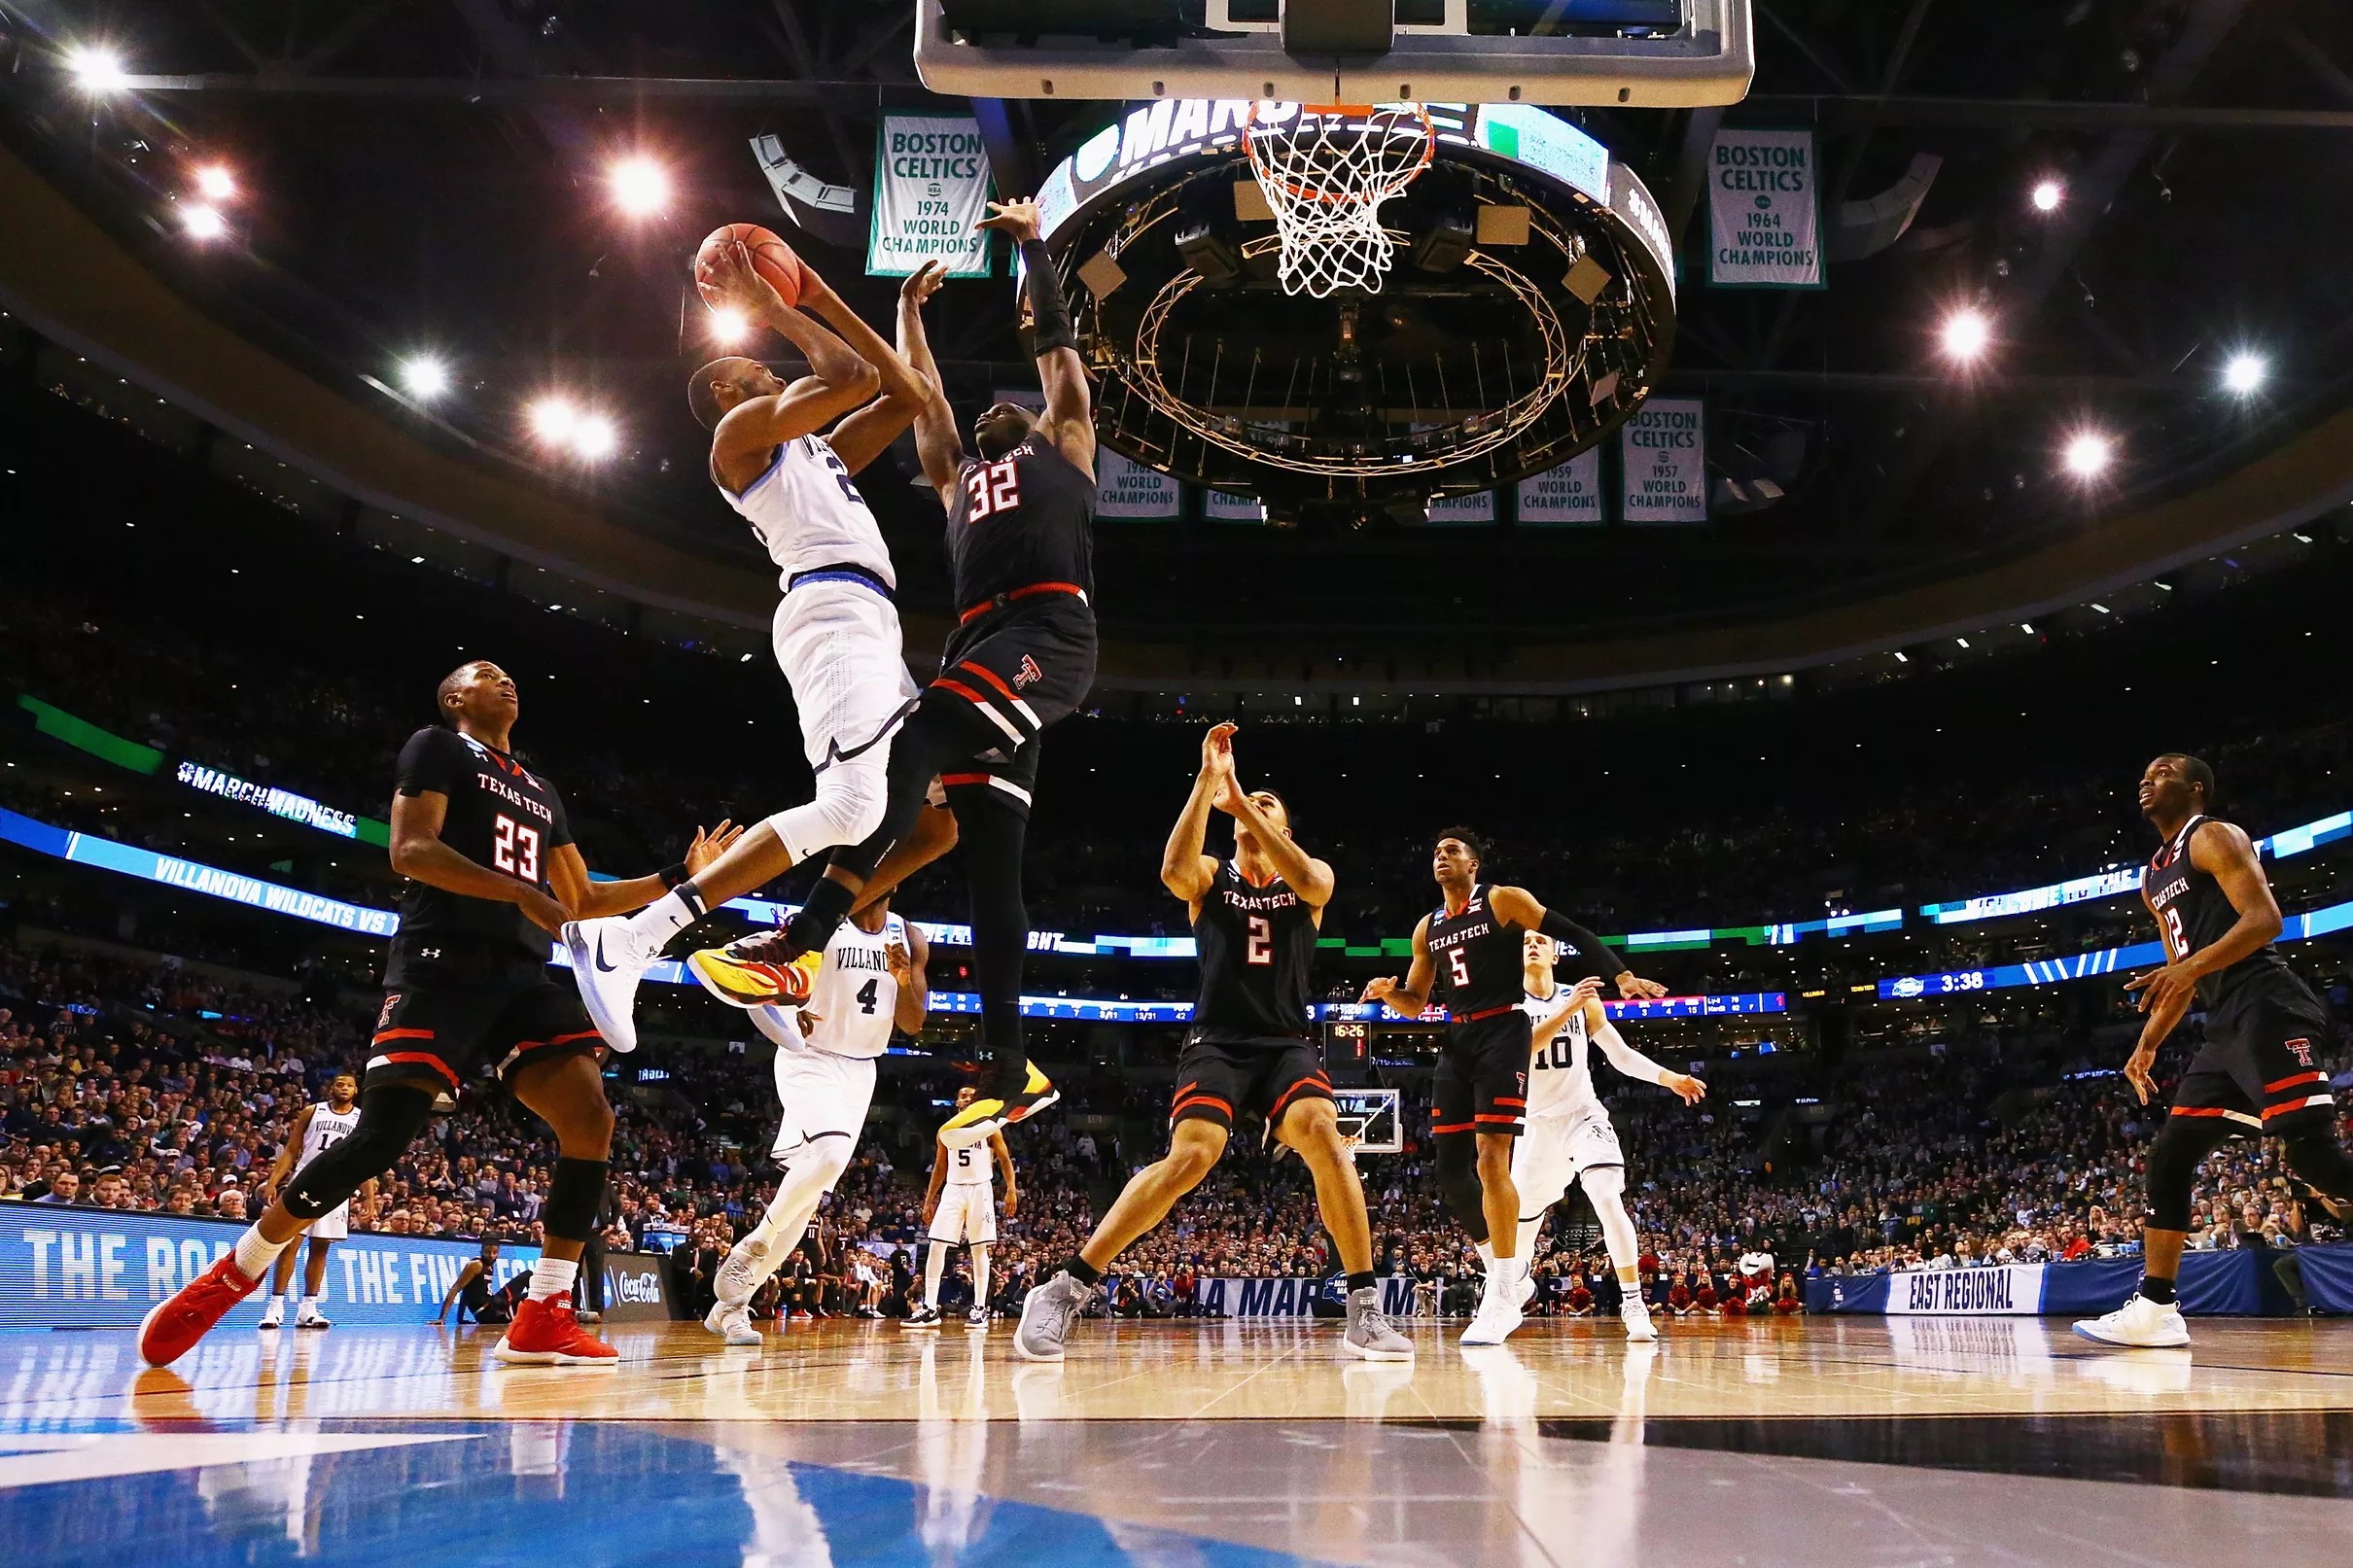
(1046, 307)
(1560, 928)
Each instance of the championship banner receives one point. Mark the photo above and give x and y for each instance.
(1566, 496)
(1126, 488)
(1462, 511)
(62, 1266)
(931, 188)
(1221, 507)
(2004, 1290)
(1662, 452)
(1764, 210)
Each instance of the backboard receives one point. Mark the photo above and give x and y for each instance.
(1371, 1117)
(1645, 53)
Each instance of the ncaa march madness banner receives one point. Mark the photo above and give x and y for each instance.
(1764, 210)
(2005, 1289)
(931, 188)
(1663, 456)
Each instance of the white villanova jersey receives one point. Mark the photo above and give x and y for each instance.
(974, 1166)
(809, 514)
(328, 1128)
(855, 996)
(1560, 1080)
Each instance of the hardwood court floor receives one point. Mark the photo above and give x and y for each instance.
(1824, 1442)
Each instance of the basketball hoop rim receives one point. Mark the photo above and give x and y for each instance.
(1250, 134)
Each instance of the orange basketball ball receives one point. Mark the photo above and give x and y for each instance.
(771, 258)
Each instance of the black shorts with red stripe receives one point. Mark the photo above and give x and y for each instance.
(1023, 667)
(1482, 1078)
(2261, 1067)
(1222, 1073)
(442, 1025)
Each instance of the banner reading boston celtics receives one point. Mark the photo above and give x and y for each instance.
(1662, 450)
(931, 188)
(1765, 205)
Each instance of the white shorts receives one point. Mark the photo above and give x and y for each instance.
(965, 1214)
(333, 1226)
(1556, 1150)
(840, 648)
(823, 1094)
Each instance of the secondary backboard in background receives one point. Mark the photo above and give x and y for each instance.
(1371, 1117)
(1647, 53)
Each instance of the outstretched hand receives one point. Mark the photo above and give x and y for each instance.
(1631, 986)
(1017, 219)
(710, 844)
(924, 282)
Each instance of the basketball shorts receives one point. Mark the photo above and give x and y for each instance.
(1481, 1077)
(1556, 1150)
(1024, 668)
(444, 1024)
(1223, 1076)
(967, 1210)
(333, 1226)
(823, 1097)
(2260, 1067)
(838, 644)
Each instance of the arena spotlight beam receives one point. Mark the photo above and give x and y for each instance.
(98, 69)
(2244, 374)
(424, 377)
(214, 182)
(1965, 335)
(2087, 454)
(640, 186)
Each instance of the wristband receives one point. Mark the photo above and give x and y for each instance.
(674, 874)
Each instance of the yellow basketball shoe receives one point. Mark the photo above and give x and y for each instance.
(757, 971)
(991, 1110)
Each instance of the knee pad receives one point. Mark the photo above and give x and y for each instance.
(1458, 1182)
(391, 1116)
(2175, 1157)
(576, 1190)
(2320, 1160)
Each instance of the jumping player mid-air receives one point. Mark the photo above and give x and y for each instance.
(2258, 1072)
(870, 983)
(1467, 952)
(1569, 1137)
(1020, 547)
(960, 1209)
(493, 874)
(316, 1129)
(1254, 922)
(837, 631)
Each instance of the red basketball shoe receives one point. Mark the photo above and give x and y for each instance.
(544, 1332)
(173, 1326)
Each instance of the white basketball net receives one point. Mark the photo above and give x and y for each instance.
(1325, 171)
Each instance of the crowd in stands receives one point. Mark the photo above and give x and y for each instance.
(136, 1084)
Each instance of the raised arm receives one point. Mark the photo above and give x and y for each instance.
(936, 442)
(1070, 417)
(838, 379)
(1184, 869)
(1412, 999)
(1519, 907)
(1305, 875)
(586, 899)
(864, 435)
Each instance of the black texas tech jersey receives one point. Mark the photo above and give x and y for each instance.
(1257, 945)
(2192, 912)
(1026, 518)
(1478, 957)
(501, 815)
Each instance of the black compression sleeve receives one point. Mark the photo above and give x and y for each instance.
(1560, 928)
(1046, 307)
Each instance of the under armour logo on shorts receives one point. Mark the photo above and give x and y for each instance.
(1028, 672)
(2302, 1052)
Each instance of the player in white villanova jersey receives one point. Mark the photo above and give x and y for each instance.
(1569, 1137)
(961, 1206)
(870, 983)
(316, 1130)
(837, 632)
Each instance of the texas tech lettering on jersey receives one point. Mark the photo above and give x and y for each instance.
(501, 815)
(1477, 955)
(2193, 912)
(1257, 945)
(1025, 518)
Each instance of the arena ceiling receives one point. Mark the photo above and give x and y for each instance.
(432, 177)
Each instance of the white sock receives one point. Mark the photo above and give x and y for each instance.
(311, 1302)
(1486, 1256)
(254, 1253)
(936, 1264)
(554, 1276)
(1528, 1230)
(667, 916)
(980, 1277)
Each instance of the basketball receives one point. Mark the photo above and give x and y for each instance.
(771, 258)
